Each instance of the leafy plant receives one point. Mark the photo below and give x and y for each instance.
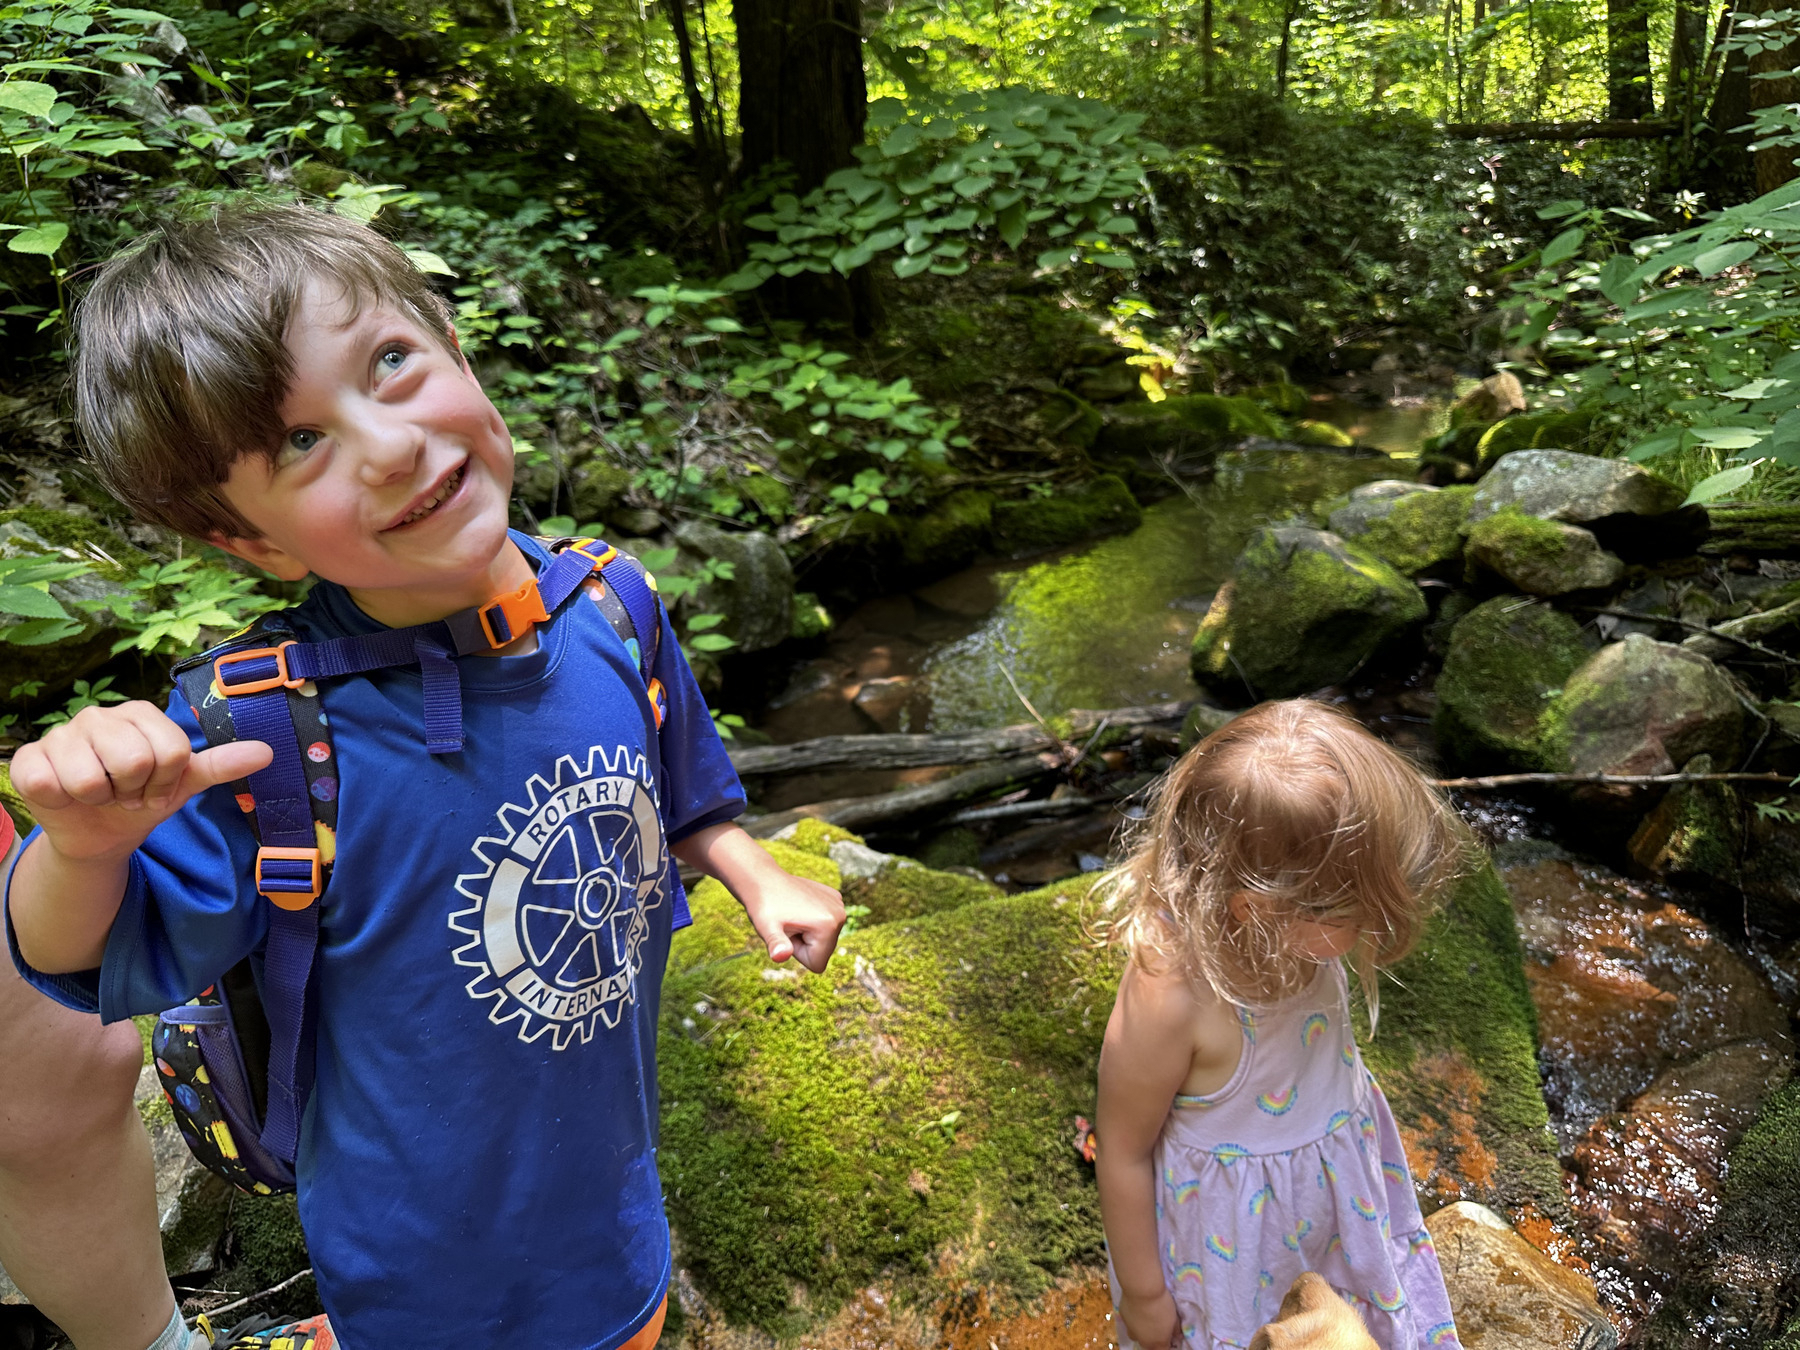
(1001, 165)
(85, 696)
(25, 591)
(165, 606)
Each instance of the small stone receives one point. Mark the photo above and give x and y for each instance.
(1499, 395)
(858, 862)
(1508, 658)
(1561, 485)
(1506, 1294)
(882, 699)
(1542, 557)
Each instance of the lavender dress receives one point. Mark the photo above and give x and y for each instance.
(1293, 1165)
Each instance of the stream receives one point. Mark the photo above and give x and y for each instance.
(1661, 1034)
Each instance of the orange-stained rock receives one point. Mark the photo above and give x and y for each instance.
(1506, 1294)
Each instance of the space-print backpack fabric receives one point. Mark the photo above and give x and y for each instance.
(219, 1056)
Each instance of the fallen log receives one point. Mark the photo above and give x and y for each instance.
(1764, 529)
(1620, 779)
(1603, 130)
(884, 808)
(928, 751)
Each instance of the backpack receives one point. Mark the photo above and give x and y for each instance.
(236, 1062)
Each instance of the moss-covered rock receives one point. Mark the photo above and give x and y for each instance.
(1694, 834)
(1558, 485)
(1282, 397)
(811, 619)
(598, 486)
(1351, 513)
(720, 929)
(24, 654)
(1532, 431)
(1302, 609)
(1541, 557)
(768, 493)
(1033, 524)
(905, 890)
(1420, 531)
(1507, 660)
(952, 532)
(907, 1118)
(1071, 419)
(266, 1248)
(1322, 434)
(758, 599)
(1643, 707)
(1184, 425)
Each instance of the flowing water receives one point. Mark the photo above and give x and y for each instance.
(1660, 1039)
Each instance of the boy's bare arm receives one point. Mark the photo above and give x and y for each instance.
(98, 785)
(793, 916)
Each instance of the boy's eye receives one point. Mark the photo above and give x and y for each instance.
(302, 439)
(392, 359)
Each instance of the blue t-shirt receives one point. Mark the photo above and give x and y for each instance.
(478, 1157)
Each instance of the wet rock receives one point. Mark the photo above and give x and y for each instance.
(1321, 434)
(1506, 1294)
(1301, 610)
(192, 1205)
(1542, 557)
(1644, 707)
(1695, 833)
(1770, 874)
(1499, 395)
(1559, 485)
(1742, 1277)
(1628, 984)
(1352, 514)
(1105, 506)
(758, 600)
(1646, 1181)
(1507, 660)
(883, 699)
(1108, 383)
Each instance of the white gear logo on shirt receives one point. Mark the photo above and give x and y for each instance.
(563, 899)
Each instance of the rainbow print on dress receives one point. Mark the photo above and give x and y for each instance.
(1315, 1027)
(1219, 1247)
(1279, 1103)
(1261, 1198)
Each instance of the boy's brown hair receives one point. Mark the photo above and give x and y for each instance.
(181, 358)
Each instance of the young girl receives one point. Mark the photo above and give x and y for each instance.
(1242, 1141)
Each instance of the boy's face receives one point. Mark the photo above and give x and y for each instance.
(394, 469)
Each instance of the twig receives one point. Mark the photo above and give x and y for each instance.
(1062, 746)
(1060, 806)
(1622, 779)
(1692, 627)
(290, 1280)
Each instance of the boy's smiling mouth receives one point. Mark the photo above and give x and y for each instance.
(436, 498)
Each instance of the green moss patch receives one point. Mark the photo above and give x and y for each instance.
(65, 529)
(1456, 1053)
(1034, 524)
(720, 929)
(952, 532)
(1508, 659)
(913, 892)
(1423, 530)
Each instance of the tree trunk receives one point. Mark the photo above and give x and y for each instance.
(1290, 11)
(1775, 165)
(1628, 60)
(801, 104)
(697, 112)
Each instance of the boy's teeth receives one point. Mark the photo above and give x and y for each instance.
(437, 498)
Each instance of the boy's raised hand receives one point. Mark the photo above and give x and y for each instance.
(99, 783)
(798, 918)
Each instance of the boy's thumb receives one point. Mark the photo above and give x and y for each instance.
(223, 764)
(775, 937)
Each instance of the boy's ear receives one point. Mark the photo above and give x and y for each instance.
(261, 553)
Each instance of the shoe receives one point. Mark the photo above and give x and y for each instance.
(260, 1333)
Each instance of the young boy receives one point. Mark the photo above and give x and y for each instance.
(478, 1155)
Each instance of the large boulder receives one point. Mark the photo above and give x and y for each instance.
(1419, 532)
(192, 1204)
(758, 600)
(1302, 609)
(1508, 1295)
(1508, 659)
(1645, 707)
(1542, 557)
(1353, 513)
(1561, 485)
(905, 1125)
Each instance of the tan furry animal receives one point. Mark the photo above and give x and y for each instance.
(1313, 1317)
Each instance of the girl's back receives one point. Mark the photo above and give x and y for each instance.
(1294, 1165)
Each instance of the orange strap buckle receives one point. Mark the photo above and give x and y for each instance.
(509, 616)
(584, 548)
(285, 885)
(280, 680)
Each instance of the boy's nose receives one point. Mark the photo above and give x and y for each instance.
(390, 449)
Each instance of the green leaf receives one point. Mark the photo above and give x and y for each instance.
(910, 265)
(901, 139)
(30, 97)
(701, 622)
(1013, 225)
(1557, 210)
(1654, 447)
(1615, 280)
(1565, 246)
(1729, 438)
(41, 241)
(973, 185)
(1727, 480)
(29, 602)
(1754, 390)
(1716, 260)
(427, 261)
(711, 642)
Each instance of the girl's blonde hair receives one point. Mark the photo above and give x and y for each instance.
(1296, 804)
